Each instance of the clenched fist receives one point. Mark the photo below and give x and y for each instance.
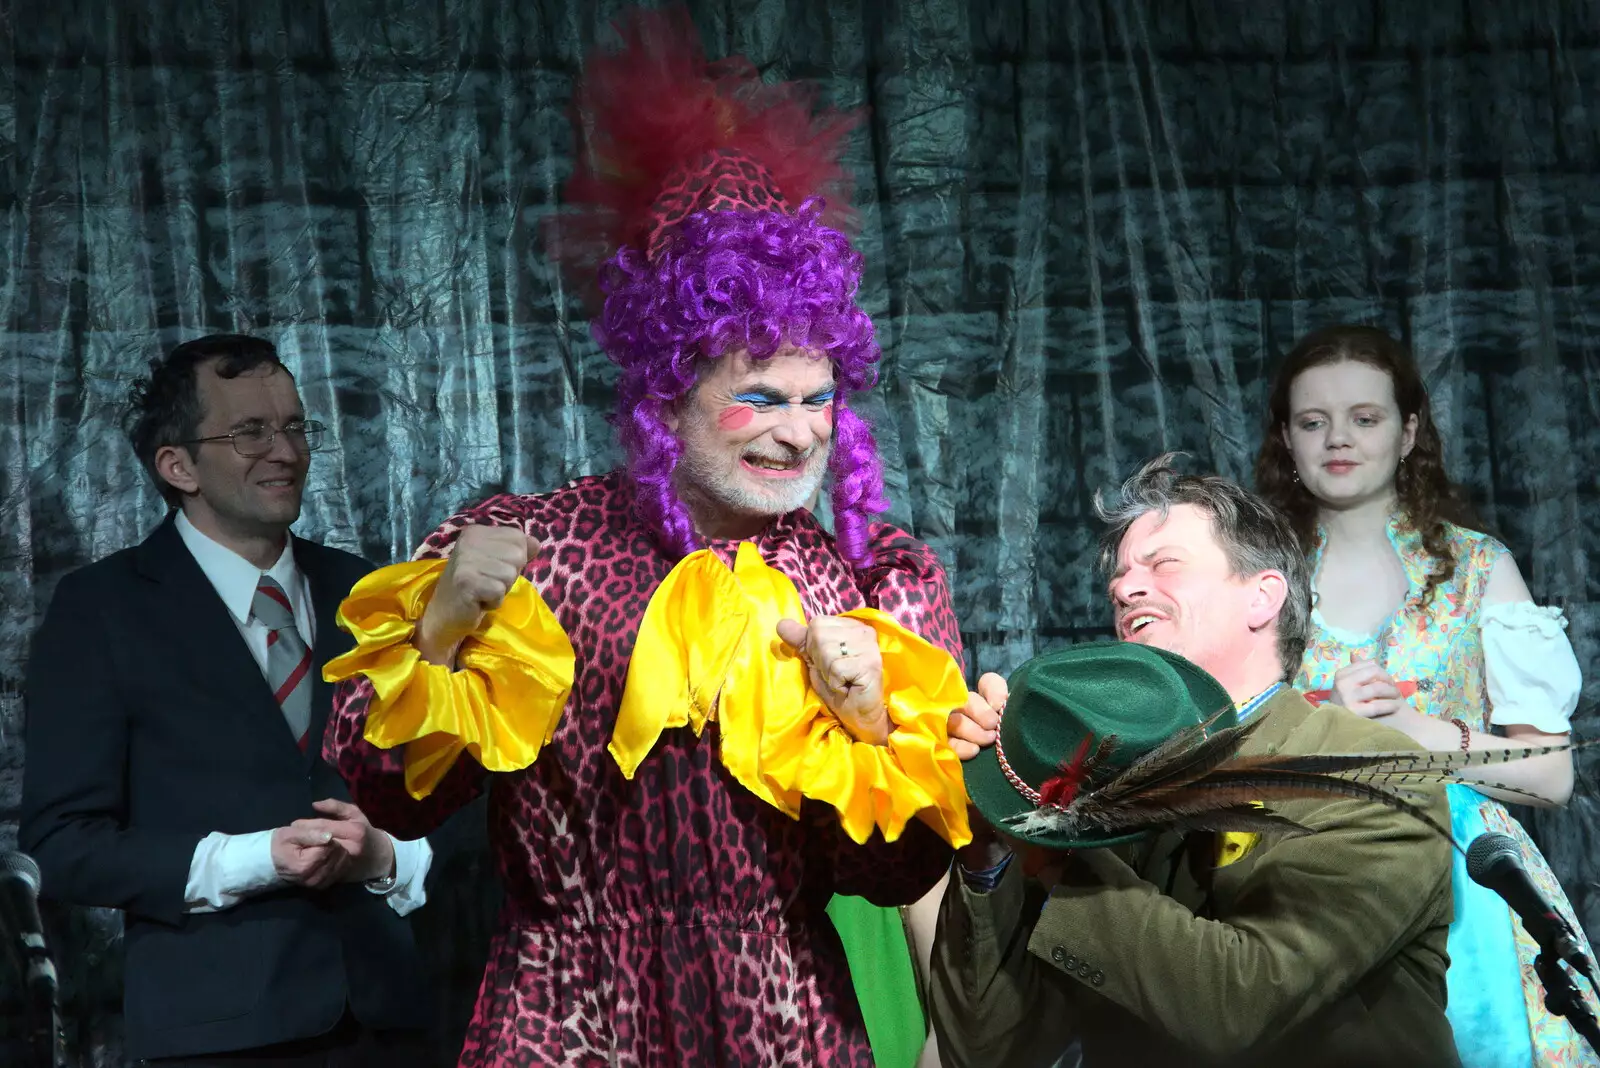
(846, 670)
(483, 564)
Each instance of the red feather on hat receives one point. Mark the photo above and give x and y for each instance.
(1063, 787)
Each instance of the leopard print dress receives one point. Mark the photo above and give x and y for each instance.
(673, 919)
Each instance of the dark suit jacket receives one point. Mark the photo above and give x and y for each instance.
(150, 725)
(1325, 950)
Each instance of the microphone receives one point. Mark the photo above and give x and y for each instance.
(19, 917)
(1495, 861)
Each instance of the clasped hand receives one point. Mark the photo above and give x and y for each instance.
(1367, 690)
(342, 847)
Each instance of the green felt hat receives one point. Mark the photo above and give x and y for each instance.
(1138, 693)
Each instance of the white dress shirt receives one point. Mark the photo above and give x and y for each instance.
(229, 867)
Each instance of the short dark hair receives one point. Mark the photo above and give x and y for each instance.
(164, 407)
(1254, 535)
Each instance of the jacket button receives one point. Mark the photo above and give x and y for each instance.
(1084, 969)
(1097, 978)
(1058, 955)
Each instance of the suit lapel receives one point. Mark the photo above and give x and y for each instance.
(326, 597)
(1185, 865)
(208, 641)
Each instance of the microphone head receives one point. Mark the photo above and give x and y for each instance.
(20, 866)
(1488, 851)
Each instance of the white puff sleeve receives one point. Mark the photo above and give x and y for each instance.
(1532, 672)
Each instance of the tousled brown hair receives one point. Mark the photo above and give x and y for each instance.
(1250, 531)
(1427, 498)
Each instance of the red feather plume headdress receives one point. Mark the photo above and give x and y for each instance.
(664, 133)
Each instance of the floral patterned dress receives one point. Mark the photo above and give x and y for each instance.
(671, 918)
(1496, 1001)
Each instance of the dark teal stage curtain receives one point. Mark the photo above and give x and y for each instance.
(1091, 229)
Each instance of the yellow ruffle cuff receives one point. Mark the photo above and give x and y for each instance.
(708, 645)
(503, 703)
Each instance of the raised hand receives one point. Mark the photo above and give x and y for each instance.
(482, 567)
(846, 670)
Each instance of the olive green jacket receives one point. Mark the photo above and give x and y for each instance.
(1322, 950)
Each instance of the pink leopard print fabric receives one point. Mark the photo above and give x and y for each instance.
(722, 179)
(674, 919)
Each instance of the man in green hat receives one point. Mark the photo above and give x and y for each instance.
(1154, 947)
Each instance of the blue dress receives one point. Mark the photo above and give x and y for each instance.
(1496, 1002)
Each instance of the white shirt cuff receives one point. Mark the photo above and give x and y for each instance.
(1532, 673)
(411, 863)
(227, 868)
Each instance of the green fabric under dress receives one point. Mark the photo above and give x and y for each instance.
(886, 981)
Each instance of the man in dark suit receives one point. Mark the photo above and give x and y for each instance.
(175, 709)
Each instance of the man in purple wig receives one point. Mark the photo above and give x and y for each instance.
(698, 713)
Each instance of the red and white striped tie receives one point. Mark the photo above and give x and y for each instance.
(288, 659)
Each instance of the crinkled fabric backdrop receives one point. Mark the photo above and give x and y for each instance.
(1090, 229)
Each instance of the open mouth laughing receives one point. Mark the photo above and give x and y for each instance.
(1136, 620)
(791, 466)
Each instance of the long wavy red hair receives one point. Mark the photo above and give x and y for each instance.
(1427, 498)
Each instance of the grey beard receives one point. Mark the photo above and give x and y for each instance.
(723, 490)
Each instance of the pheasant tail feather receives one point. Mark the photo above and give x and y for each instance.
(1187, 755)
(1247, 819)
(1416, 761)
(1287, 786)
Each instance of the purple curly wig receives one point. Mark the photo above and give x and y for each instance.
(756, 280)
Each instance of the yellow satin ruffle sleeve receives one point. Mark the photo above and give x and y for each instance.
(708, 648)
(502, 703)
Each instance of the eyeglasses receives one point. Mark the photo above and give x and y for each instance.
(253, 442)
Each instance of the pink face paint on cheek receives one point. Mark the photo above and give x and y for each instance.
(735, 417)
(827, 414)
